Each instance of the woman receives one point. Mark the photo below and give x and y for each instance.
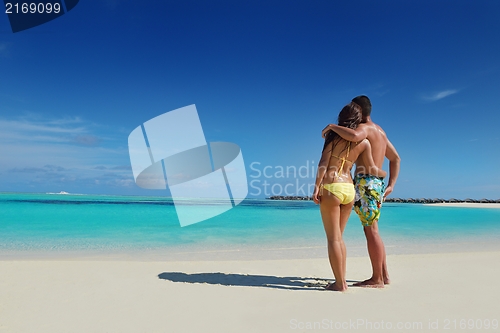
(334, 190)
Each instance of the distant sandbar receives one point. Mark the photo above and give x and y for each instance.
(466, 204)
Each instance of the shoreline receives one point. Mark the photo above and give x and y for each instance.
(256, 252)
(465, 205)
(399, 200)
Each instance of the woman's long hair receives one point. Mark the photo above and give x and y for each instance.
(350, 116)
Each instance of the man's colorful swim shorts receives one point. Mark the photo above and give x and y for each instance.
(369, 195)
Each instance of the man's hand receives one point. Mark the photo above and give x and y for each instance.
(388, 190)
(394, 163)
(326, 130)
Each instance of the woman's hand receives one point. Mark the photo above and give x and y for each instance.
(316, 197)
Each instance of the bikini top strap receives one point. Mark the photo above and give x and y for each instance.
(344, 158)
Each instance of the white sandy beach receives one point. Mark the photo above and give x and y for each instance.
(466, 205)
(440, 290)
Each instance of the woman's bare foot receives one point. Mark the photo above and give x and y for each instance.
(334, 287)
(385, 275)
(370, 283)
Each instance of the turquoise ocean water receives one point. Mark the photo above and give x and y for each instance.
(50, 223)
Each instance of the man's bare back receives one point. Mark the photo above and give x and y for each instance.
(378, 141)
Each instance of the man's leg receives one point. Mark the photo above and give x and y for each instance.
(376, 251)
(369, 192)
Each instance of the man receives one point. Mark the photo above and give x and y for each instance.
(370, 189)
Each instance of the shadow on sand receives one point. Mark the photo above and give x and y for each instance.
(287, 282)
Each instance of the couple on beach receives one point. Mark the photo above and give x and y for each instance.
(355, 140)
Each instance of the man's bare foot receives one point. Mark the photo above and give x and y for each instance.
(370, 283)
(387, 280)
(334, 287)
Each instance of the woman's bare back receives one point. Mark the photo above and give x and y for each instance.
(341, 160)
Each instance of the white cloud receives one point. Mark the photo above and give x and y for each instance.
(440, 95)
(44, 151)
(32, 129)
(48, 126)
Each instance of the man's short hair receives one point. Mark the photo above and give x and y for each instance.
(364, 102)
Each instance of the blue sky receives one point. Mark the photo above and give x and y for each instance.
(267, 75)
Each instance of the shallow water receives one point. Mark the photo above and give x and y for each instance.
(112, 224)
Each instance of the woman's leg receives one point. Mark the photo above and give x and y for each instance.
(345, 212)
(330, 213)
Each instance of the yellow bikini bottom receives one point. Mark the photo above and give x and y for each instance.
(344, 191)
